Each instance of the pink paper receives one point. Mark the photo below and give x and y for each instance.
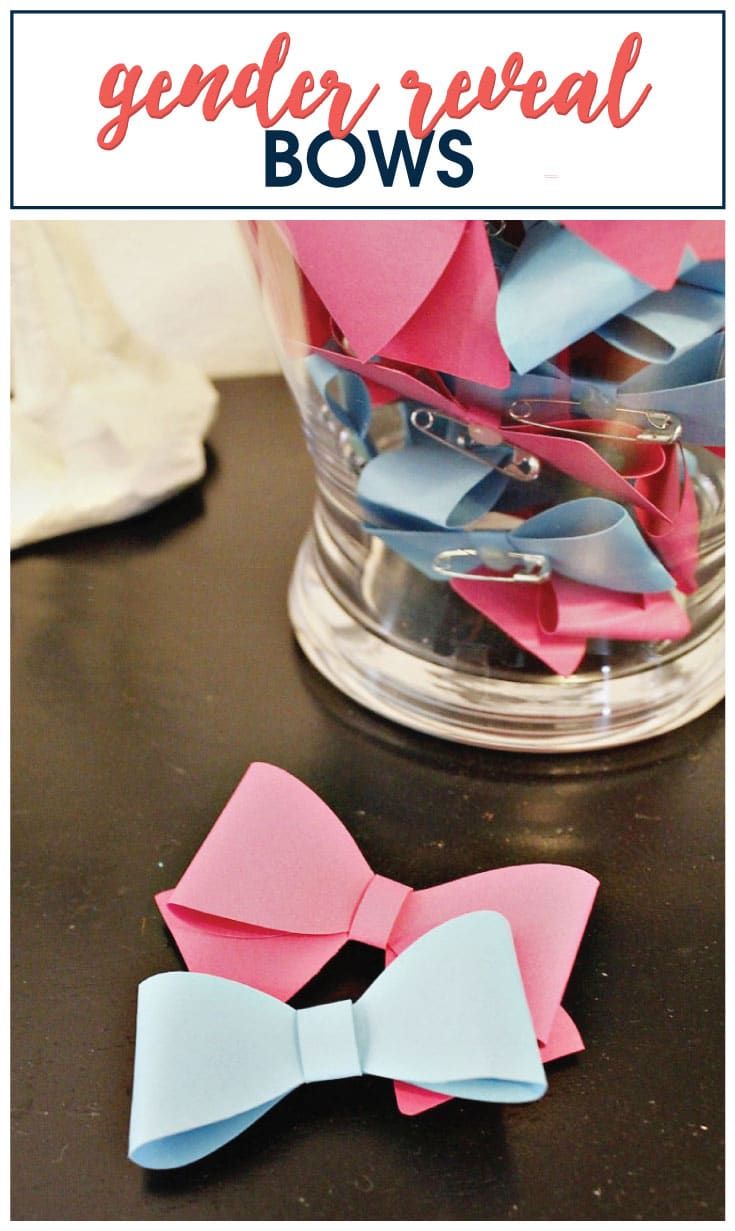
(653, 251)
(581, 461)
(278, 887)
(515, 608)
(372, 276)
(281, 962)
(554, 620)
(420, 292)
(589, 611)
(277, 858)
(674, 531)
(454, 330)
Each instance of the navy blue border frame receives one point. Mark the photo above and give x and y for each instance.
(288, 209)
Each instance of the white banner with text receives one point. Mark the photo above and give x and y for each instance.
(268, 111)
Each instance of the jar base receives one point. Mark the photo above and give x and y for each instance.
(554, 715)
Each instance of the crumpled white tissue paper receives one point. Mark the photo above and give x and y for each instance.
(102, 425)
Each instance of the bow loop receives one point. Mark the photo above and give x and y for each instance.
(545, 904)
(204, 1067)
(470, 1028)
(276, 832)
(396, 307)
(377, 911)
(327, 1042)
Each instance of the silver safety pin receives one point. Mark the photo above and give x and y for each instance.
(660, 427)
(520, 465)
(526, 566)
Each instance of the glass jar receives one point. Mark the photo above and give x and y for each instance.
(410, 643)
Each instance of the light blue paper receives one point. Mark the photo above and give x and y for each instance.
(347, 397)
(692, 387)
(701, 409)
(591, 540)
(195, 1035)
(545, 382)
(665, 324)
(428, 484)
(212, 1056)
(708, 274)
(556, 290)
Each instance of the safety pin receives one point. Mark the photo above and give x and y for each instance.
(531, 568)
(520, 465)
(660, 426)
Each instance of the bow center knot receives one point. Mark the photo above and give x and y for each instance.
(327, 1042)
(377, 911)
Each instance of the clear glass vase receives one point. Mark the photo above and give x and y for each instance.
(412, 650)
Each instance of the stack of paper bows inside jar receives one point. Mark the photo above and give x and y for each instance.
(558, 383)
(469, 1005)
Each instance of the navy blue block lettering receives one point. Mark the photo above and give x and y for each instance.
(445, 149)
(274, 156)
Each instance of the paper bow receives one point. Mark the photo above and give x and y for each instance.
(554, 620)
(591, 540)
(212, 1056)
(279, 886)
(555, 290)
(674, 531)
(425, 294)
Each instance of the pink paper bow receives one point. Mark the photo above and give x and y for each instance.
(279, 886)
(554, 620)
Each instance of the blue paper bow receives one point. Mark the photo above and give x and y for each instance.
(212, 1056)
(590, 540)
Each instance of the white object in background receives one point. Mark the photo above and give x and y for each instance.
(103, 426)
(188, 288)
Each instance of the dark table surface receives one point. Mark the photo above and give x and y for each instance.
(152, 662)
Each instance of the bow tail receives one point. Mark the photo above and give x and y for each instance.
(412, 1100)
(564, 1039)
(282, 962)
